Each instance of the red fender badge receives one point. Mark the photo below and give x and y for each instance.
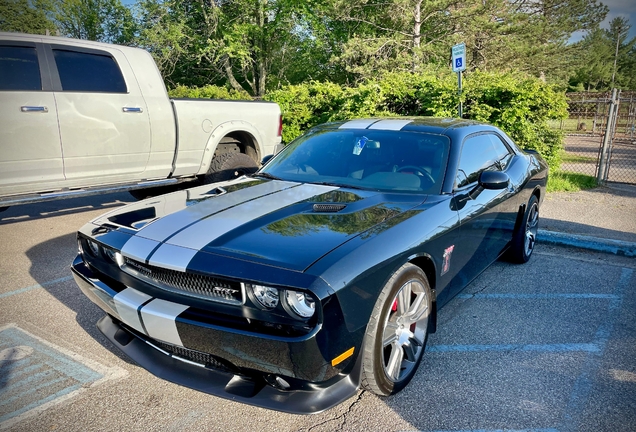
(447, 257)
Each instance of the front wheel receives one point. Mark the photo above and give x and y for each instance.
(525, 238)
(397, 332)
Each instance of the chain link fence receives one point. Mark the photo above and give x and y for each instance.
(588, 138)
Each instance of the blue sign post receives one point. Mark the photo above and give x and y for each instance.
(458, 53)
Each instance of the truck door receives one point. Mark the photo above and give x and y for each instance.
(30, 150)
(104, 123)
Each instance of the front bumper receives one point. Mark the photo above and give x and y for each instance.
(253, 363)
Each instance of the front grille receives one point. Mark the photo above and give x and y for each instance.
(196, 285)
(208, 360)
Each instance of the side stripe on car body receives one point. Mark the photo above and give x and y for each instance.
(153, 317)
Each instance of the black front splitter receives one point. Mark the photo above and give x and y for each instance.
(227, 385)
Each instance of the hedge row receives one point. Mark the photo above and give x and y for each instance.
(519, 105)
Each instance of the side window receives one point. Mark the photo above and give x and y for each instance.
(502, 151)
(478, 154)
(80, 71)
(19, 68)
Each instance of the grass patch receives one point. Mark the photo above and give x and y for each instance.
(564, 181)
(574, 158)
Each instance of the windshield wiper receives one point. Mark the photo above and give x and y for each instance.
(266, 175)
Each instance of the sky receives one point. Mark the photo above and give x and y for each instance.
(617, 8)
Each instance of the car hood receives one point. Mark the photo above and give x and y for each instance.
(278, 223)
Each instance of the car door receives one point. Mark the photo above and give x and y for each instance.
(487, 217)
(103, 117)
(30, 150)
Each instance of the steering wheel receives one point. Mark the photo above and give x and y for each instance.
(420, 171)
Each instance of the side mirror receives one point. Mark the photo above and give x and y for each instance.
(493, 180)
(266, 159)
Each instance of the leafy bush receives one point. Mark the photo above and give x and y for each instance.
(207, 92)
(519, 105)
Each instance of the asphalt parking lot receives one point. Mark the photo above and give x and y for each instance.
(546, 346)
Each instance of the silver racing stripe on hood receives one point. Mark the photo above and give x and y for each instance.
(197, 236)
(166, 226)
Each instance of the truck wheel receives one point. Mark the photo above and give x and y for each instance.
(229, 166)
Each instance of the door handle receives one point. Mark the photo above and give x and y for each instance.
(34, 109)
(132, 109)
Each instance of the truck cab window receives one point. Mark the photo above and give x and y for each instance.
(19, 68)
(80, 71)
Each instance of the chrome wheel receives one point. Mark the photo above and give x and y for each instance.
(532, 226)
(405, 329)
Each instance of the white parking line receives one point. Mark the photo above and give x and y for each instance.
(38, 286)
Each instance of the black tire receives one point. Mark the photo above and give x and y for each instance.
(229, 166)
(525, 237)
(381, 373)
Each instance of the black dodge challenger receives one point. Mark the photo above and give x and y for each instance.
(322, 272)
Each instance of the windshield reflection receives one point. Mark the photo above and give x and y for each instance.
(381, 160)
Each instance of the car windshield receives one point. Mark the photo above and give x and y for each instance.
(382, 160)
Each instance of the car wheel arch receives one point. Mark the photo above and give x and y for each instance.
(426, 263)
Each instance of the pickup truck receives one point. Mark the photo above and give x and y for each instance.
(80, 118)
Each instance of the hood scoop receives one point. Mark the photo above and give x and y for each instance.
(328, 208)
(216, 191)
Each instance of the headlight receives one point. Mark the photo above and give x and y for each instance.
(94, 247)
(114, 256)
(300, 303)
(266, 296)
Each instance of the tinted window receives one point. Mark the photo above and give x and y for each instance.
(19, 68)
(368, 159)
(81, 71)
(478, 154)
(501, 150)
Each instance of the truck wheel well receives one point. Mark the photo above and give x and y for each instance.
(238, 142)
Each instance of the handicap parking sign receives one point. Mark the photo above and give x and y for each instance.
(459, 57)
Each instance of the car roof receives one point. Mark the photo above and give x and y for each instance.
(435, 125)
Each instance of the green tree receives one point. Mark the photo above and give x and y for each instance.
(97, 20)
(26, 16)
(594, 65)
(617, 33)
(249, 44)
(607, 59)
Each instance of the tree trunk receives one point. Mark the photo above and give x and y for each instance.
(230, 75)
(417, 37)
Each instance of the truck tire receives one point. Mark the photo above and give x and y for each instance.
(229, 166)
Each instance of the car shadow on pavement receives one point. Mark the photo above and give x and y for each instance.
(61, 251)
(63, 207)
(568, 227)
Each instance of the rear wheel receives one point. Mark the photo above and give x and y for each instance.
(525, 238)
(397, 332)
(229, 166)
